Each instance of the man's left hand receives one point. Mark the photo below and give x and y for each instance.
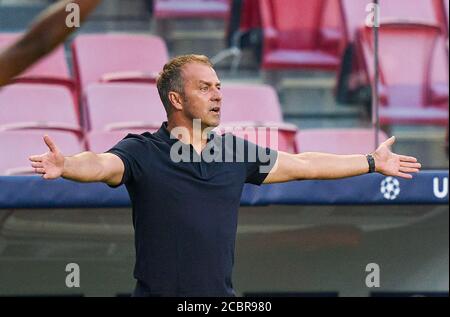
(391, 164)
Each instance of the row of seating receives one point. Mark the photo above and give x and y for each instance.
(303, 34)
(28, 111)
(114, 78)
(314, 41)
(419, 82)
(113, 106)
(332, 35)
(98, 58)
(407, 16)
(413, 86)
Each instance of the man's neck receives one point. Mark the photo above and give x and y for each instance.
(189, 132)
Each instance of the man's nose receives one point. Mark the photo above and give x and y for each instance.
(217, 95)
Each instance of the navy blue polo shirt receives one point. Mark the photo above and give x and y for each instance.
(185, 212)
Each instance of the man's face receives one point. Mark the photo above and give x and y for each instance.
(203, 98)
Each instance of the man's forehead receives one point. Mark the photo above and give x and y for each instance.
(199, 73)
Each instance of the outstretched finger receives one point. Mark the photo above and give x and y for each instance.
(410, 164)
(50, 144)
(404, 175)
(39, 171)
(405, 158)
(35, 158)
(408, 170)
(37, 165)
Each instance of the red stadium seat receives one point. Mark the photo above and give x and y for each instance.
(52, 69)
(446, 8)
(118, 58)
(118, 106)
(37, 106)
(102, 141)
(295, 39)
(338, 141)
(411, 83)
(273, 136)
(17, 146)
(351, 75)
(419, 11)
(250, 102)
(332, 27)
(251, 16)
(252, 107)
(438, 77)
(171, 9)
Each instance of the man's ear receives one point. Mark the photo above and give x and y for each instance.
(176, 100)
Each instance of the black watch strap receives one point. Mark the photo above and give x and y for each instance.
(371, 162)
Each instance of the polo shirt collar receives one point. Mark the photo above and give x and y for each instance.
(164, 134)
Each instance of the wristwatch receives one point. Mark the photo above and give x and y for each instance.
(371, 162)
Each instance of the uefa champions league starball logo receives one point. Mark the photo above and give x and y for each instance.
(390, 188)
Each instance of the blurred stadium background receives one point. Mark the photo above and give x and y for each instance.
(300, 65)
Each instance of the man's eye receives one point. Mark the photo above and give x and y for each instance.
(204, 88)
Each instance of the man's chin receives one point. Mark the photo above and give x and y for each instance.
(215, 124)
(211, 123)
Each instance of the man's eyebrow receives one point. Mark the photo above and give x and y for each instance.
(209, 83)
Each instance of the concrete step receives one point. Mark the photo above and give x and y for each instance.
(187, 36)
(189, 28)
(119, 8)
(316, 101)
(200, 46)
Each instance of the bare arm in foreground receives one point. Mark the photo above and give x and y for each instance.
(47, 32)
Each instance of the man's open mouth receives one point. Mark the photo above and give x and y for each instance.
(215, 110)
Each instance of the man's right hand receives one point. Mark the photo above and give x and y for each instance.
(51, 164)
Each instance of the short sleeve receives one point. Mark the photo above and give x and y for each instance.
(129, 150)
(259, 161)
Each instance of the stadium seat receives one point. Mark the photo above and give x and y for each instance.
(17, 146)
(412, 91)
(117, 58)
(25, 106)
(102, 141)
(274, 137)
(446, 9)
(351, 74)
(52, 69)
(255, 107)
(118, 106)
(419, 11)
(172, 9)
(250, 102)
(338, 141)
(332, 24)
(438, 77)
(294, 37)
